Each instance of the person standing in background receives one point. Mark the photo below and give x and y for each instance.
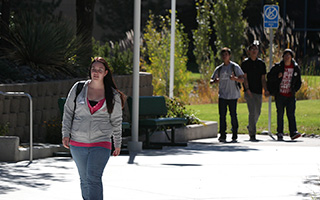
(283, 81)
(229, 76)
(254, 80)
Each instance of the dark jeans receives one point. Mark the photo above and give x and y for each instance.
(288, 103)
(223, 105)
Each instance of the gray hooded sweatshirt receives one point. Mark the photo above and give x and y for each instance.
(89, 128)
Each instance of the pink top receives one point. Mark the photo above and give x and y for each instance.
(96, 107)
(95, 144)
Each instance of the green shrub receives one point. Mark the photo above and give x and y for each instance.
(120, 60)
(156, 51)
(230, 26)
(45, 43)
(4, 129)
(303, 92)
(202, 50)
(156, 54)
(177, 109)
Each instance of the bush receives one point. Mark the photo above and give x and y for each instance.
(156, 53)
(230, 26)
(45, 43)
(120, 60)
(303, 92)
(4, 129)
(202, 50)
(177, 109)
(204, 93)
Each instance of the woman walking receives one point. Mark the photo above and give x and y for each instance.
(92, 115)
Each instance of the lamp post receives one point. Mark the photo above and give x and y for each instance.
(134, 145)
(173, 28)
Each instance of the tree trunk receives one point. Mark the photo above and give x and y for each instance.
(85, 19)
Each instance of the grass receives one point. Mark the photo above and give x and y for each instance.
(313, 81)
(307, 116)
(194, 77)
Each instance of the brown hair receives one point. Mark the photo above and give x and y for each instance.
(109, 83)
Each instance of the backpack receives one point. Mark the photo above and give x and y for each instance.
(234, 72)
(79, 88)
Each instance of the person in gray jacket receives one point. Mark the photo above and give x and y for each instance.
(228, 75)
(90, 119)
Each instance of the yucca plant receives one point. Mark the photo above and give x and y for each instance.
(45, 43)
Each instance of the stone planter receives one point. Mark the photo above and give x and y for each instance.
(9, 148)
(11, 152)
(190, 132)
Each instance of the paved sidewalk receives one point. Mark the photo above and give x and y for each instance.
(204, 170)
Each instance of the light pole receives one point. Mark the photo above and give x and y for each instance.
(173, 30)
(134, 145)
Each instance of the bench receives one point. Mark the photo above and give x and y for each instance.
(62, 101)
(152, 112)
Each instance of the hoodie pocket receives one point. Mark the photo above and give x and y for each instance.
(76, 125)
(104, 127)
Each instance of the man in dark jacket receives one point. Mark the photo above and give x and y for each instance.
(284, 80)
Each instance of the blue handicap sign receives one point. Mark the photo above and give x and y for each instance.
(271, 16)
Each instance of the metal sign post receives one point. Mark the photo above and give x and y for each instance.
(270, 66)
(271, 21)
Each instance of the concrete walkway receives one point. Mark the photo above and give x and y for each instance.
(204, 170)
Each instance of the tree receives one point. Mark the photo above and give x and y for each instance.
(202, 50)
(85, 14)
(156, 52)
(230, 26)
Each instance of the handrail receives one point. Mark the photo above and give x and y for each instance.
(31, 118)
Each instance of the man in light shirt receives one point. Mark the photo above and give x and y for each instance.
(229, 76)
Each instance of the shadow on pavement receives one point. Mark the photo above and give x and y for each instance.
(182, 165)
(198, 148)
(312, 180)
(15, 175)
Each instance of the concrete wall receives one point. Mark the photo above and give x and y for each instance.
(190, 132)
(12, 152)
(45, 95)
